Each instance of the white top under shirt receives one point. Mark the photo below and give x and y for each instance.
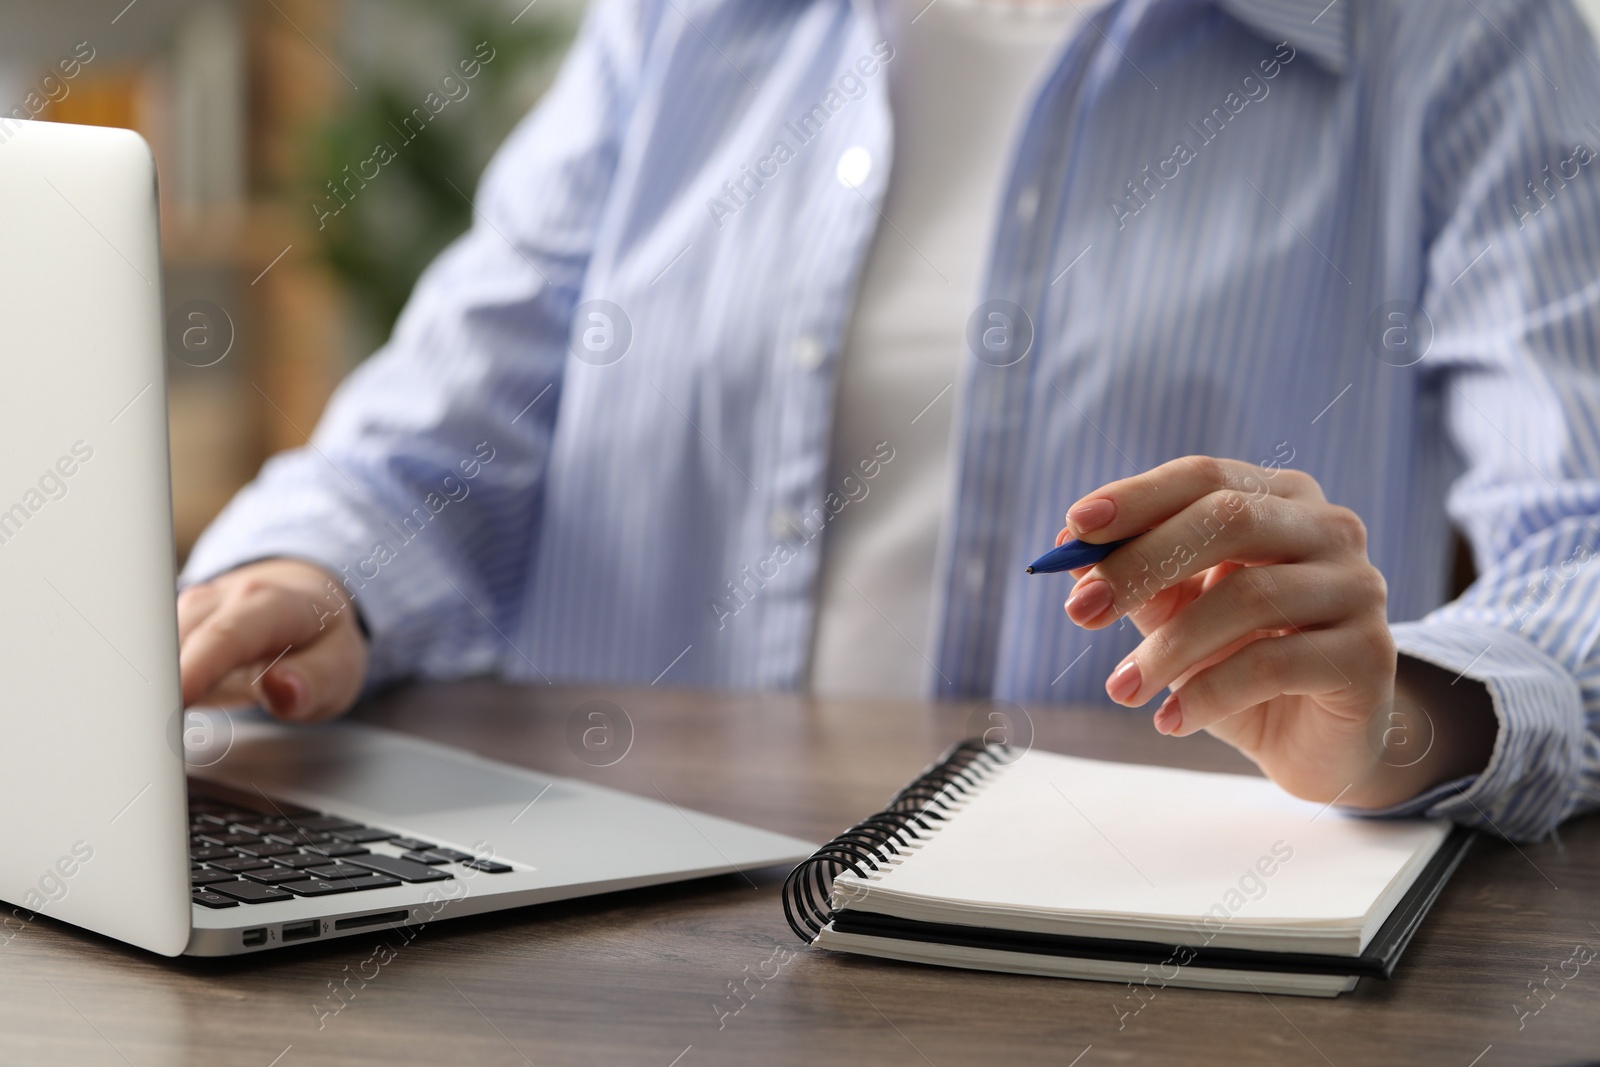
(961, 78)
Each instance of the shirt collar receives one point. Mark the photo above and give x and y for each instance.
(1315, 26)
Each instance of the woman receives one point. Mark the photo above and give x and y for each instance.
(785, 330)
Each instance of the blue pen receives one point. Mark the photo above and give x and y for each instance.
(1072, 555)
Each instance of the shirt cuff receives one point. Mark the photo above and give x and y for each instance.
(403, 593)
(1530, 783)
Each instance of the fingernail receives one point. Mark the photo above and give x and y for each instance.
(1090, 515)
(287, 691)
(1124, 681)
(1169, 716)
(1090, 600)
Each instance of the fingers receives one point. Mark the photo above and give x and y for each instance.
(1174, 598)
(194, 604)
(1153, 613)
(255, 621)
(1244, 601)
(302, 686)
(1224, 527)
(257, 617)
(1313, 663)
(1131, 506)
(318, 683)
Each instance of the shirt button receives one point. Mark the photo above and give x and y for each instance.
(782, 524)
(854, 166)
(808, 352)
(1028, 203)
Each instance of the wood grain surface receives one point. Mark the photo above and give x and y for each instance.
(643, 978)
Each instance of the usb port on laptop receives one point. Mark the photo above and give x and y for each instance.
(302, 930)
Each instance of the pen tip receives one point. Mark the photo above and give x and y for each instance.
(1030, 570)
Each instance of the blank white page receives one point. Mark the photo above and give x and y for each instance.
(1056, 836)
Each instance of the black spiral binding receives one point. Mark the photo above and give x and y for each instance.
(869, 844)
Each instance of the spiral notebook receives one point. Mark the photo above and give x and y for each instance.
(1036, 863)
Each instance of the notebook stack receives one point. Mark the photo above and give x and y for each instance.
(1035, 863)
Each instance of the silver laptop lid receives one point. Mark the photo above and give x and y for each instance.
(91, 765)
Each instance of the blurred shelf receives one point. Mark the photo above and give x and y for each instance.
(248, 237)
(225, 92)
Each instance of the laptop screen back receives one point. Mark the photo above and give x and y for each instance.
(92, 825)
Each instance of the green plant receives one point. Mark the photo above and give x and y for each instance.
(388, 175)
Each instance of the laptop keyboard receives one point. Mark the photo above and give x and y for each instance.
(244, 851)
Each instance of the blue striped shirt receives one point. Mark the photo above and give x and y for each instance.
(1359, 238)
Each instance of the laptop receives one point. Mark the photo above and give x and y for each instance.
(280, 835)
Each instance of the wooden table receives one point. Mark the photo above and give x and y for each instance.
(643, 977)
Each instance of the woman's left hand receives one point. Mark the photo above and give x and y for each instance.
(1259, 609)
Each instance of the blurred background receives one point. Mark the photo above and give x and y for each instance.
(314, 155)
(313, 158)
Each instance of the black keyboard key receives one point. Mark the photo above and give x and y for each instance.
(411, 844)
(237, 864)
(429, 858)
(199, 805)
(325, 823)
(212, 900)
(262, 826)
(252, 892)
(338, 870)
(229, 839)
(320, 887)
(299, 837)
(207, 877)
(264, 849)
(364, 836)
(335, 850)
(486, 866)
(373, 881)
(234, 815)
(210, 852)
(276, 875)
(405, 870)
(452, 855)
(299, 860)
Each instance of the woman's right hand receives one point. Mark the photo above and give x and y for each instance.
(281, 633)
